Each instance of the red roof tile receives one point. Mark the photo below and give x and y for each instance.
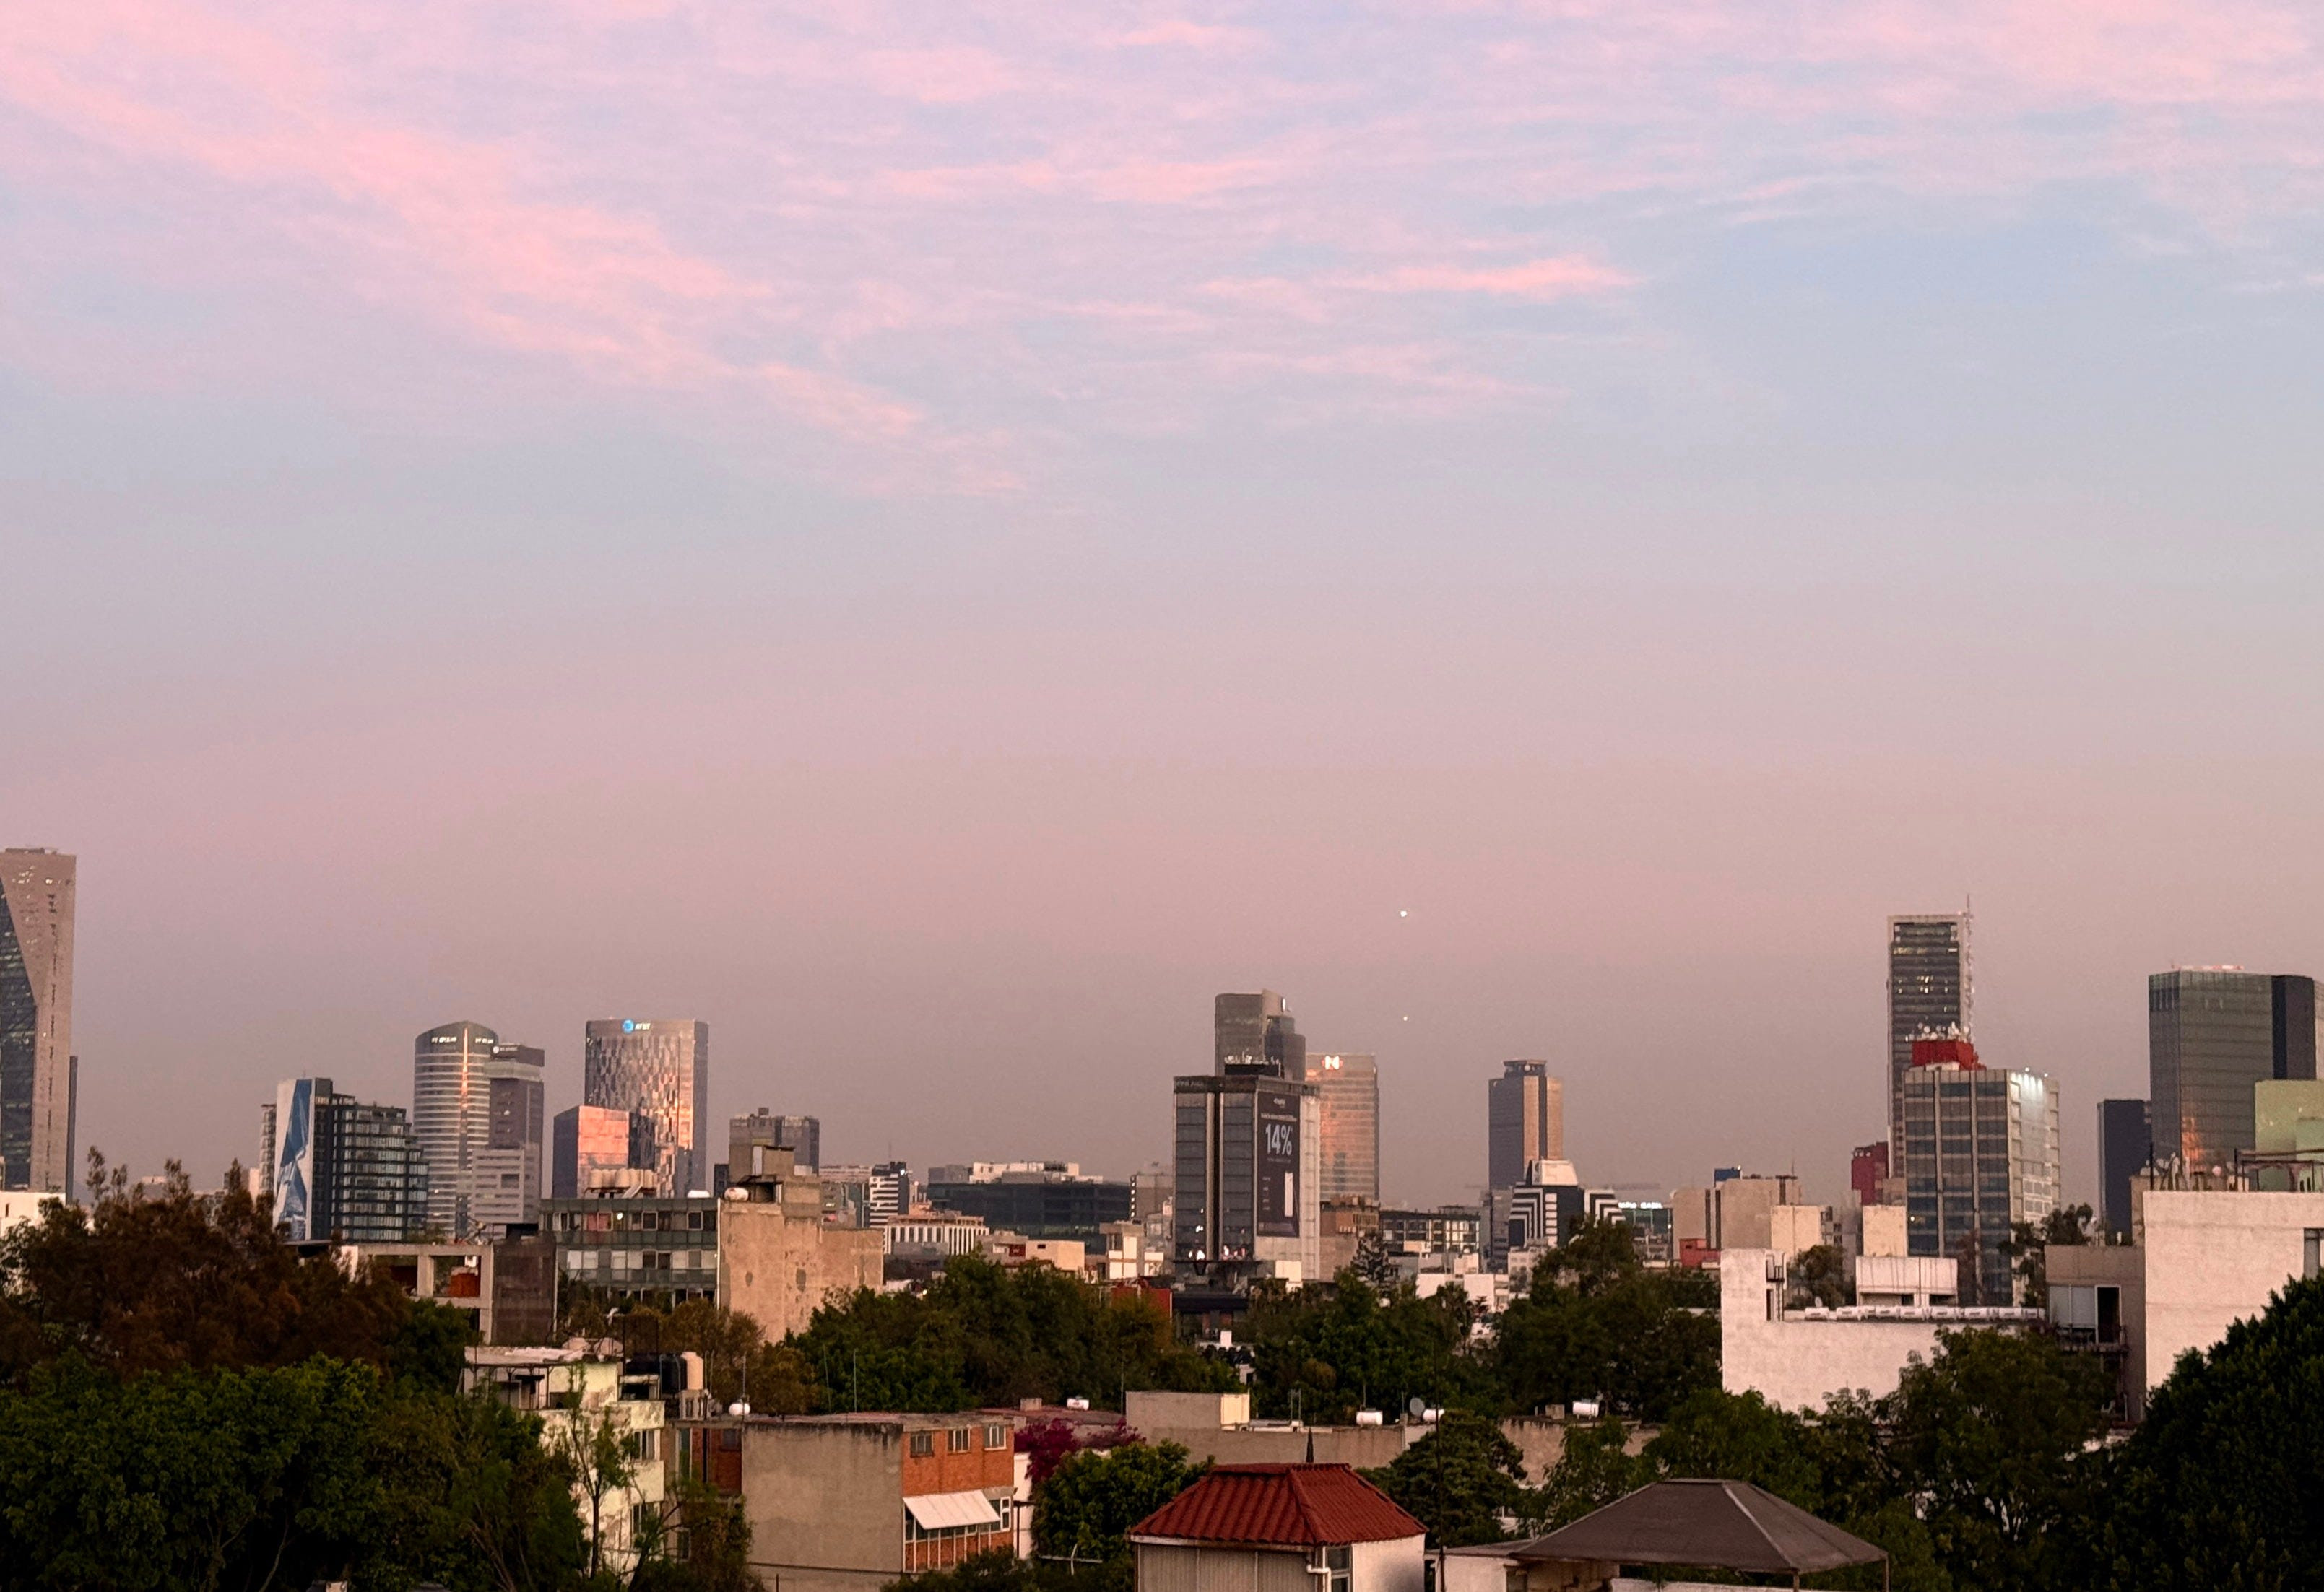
(1293, 1505)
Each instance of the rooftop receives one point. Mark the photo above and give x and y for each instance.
(1287, 1506)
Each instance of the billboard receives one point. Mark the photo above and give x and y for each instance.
(294, 1157)
(1277, 1171)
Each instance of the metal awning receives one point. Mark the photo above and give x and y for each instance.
(938, 1512)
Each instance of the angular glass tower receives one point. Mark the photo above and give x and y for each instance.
(661, 1069)
(1928, 994)
(1525, 1122)
(38, 1070)
(2211, 1033)
(476, 1106)
(1348, 1163)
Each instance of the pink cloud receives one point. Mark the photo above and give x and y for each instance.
(1193, 35)
(1562, 277)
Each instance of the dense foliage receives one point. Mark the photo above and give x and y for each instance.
(1461, 1481)
(983, 1335)
(1324, 1351)
(1595, 1324)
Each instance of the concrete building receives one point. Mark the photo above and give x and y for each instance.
(39, 1075)
(658, 1067)
(2212, 1033)
(1348, 1087)
(1930, 993)
(1524, 1121)
(1544, 1210)
(1218, 1427)
(2097, 1307)
(1447, 1230)
(340, 1170)
(586, 1140)
(1742, 1210)
(1346, 1224)
(850, 1502)
(576, 1392)
(1981, 1153)
(777, 1259)
(932, 1236)
(1070, 1256)
(866, 1196)
(2125, 1144)
(801, 1136)
(1126, 1254)
(1868, 1173)
(1041, 1199)
(507, 1288)
(476, 1106)
(1280, 1528)
(1246, 1183)
(636, 1244)
(2212, 1258)
(1797, 1358)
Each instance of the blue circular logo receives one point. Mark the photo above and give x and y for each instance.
(628, 1026)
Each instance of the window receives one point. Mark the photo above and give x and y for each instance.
(996, 1436)
(2312, 1251)
(960, 1439)
(1336, 1565)
(924, 1443)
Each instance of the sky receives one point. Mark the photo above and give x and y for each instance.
(935, 538)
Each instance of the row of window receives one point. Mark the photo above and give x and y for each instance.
(960, 1439)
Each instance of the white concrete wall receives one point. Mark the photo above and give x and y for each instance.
(2213, 1259)
(1399, 1566)
(1796, 1364)
(1474, 1572)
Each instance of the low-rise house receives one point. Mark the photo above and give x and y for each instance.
(1280, 1528)
(849, 1502)
(581, 1393)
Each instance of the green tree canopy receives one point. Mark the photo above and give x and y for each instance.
(1325, 1350)
(1459, 1481)
(1595, 1324)
(1085, 1511)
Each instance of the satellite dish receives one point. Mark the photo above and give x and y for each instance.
(1416, 1405)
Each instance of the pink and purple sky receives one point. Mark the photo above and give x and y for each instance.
(936, 537)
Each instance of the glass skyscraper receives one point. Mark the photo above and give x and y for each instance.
(2126, 1143)
(341, 1170)
(1348, 1164)
(1928, 993)
(1525, 1122)
(476, 1105)
(661, 1069)
(39, 1074)
(1980, 1153)
(2211, 1033)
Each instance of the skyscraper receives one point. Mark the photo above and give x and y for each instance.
(1348, 1087)
(660, 1068)
(39, 1073)
(2212, 1033)
(339, 1169)
(589, 1140)
(1525, 1122)
(1980, 1154)
(476, 1105)
(1255, 1034)
(2125, 1143)
(1928, 994)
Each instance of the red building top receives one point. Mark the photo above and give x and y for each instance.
(1290, 1506)
(1936, 1053)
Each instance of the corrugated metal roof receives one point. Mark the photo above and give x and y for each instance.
(1722, 1524)
(1289, 1506)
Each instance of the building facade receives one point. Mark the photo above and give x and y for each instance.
(1245, 1201)
(1524, 1121)
(661, 1069)
(1981, 1153)
(1347, 1085)
(1256, 1034)
(39, 1073)
(2125, 1144)
(1930, 992)
(2211, 1033)
(1448, 1229)
(341, 1170)
(778, 1260)
(588, 1140)
(1048, 1202)
(637, 1247)
(801, 1136)
(478, 1104)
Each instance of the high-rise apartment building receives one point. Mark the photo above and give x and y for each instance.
(661, 1069)
(338, 1169)
(478, 1105)
(2125, 1144)
(39, 1073)
(1928, 994)
(801, 1136)
(1347, 1084)
(2211, 1033)
(1980, 1154)
(1525, 1122)
(588, 1140)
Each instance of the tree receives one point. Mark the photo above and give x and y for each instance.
(2218, 1488)
(1324, 1350)
(703, 1545)
(1374, 1264)
(1595, 1469)
(1460, 1481)
(1595, 1324)
(1819, 1276)
(594, 1445)
(2068, 1226)
(1083, 1512)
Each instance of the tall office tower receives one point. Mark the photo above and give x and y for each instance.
(2125, 1146)
(2211, 1033)
(1255, 1034)
(1980, 1154)
(591, 1139)
(1928, 993)
(341, 1170)
(39, 1073)
(1245, 1204)
(476, 1105)
(659, 1069)
(1525, 1122)
(801, 1136)
(1348, 1161)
